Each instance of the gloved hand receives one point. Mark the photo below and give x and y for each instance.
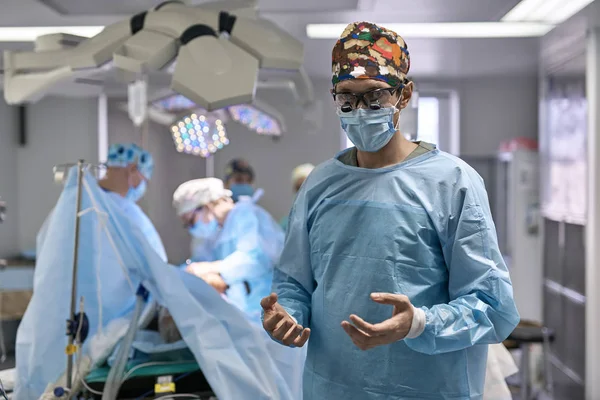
(200, 268)
(215, 280)
(366, 336)
(280, 325)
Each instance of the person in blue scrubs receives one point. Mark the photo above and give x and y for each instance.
(239, 178)
(129, 169)
(391, 270)
(299, 175)
(242, 241)
(104, 284)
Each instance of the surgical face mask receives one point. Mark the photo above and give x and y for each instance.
(241, 189)
(136, 193)
(369, 130)
(204, 230)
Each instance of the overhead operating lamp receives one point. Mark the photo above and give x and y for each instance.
(166, 109)
(203, 133)
(258, 117)
(218, 54)
(200, 134)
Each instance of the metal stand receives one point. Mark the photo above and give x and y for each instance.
(3, 264)
(2, 216)
(525, 374)
(525, 337)
(70, 331)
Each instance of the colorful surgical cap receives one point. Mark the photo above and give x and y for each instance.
(369, 51)
(123, 154)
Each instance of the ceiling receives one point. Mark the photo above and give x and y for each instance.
(431, 58)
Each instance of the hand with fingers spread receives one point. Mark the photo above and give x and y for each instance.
(367, 336)
(280, 325)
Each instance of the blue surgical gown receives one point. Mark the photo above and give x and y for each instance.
(235, 355)
(249, 244)
(422, 228)
(141, 220)
(201, 249)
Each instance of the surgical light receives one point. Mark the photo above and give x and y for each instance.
(445, 30)
(199, 134)
(255, 119)
(175, 103)
(547, 11)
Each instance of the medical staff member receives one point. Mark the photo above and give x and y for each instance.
(299, 175)
(391, 263)
(245, 241)
(239, 178)
(129, 169)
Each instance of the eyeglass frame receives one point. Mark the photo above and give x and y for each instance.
(361, 99)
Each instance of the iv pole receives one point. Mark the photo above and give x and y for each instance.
(70, 350)
(3, 265)
(2, 216)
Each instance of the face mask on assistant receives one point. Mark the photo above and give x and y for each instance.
(241, 189)
(204, 230)
(369, 130)
(136, 193)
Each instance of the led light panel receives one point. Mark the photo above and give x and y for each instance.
(199, 135)
(256, 120)
(175, 103)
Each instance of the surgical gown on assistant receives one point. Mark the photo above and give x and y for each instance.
(422, 228)
(141, 220)
(249, 244)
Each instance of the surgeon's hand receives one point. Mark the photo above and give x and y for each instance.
(367, 336)
(278, 323)
(215, 280)
(200, 268)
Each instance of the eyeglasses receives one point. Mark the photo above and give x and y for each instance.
(192, 218)
(373, 99)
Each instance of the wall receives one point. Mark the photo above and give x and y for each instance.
(494, 110)
(9, 238)
(59, 130)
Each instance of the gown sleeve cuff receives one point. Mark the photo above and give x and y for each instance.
(418, 324)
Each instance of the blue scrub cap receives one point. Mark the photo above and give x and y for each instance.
(123, 154)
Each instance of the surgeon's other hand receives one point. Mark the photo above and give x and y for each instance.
(278, 323)
(366, 336)
(215, 280)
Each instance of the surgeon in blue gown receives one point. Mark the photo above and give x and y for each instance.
(129, 169)
(391, 269)
(108, 292)
(242, 242)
